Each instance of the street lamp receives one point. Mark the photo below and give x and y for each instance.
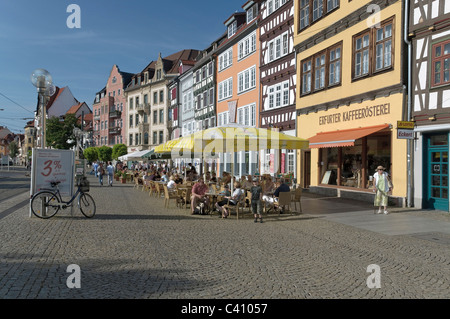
(43, 81)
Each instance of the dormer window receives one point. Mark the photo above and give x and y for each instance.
(232, 28)
(252, 13)
(158, 74)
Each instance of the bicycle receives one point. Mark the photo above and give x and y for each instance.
(46, 203)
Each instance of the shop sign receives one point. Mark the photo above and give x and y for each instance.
(357, 114)
(405, 134)
(406, 125)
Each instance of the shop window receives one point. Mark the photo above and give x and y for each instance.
(349, 167)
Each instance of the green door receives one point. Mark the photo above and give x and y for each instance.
(436, 173)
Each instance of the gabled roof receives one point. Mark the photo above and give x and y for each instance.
(74, 108)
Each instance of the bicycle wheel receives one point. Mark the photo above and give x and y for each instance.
(45, 204)
(87, 205)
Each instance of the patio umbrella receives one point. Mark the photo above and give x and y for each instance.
(235, 138)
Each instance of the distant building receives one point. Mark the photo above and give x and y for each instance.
(148, 121)
(109, 116)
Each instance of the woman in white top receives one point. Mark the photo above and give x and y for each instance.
(171, 185)
(382, 188)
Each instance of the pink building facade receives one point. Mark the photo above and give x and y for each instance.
(109, 110)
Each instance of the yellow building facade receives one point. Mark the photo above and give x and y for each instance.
(350, 94)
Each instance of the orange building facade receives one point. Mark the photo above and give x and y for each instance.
(238, 85)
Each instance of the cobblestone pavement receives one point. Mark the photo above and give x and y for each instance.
(135, 248)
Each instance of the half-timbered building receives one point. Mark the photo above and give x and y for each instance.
(429, 33)
(277, 80)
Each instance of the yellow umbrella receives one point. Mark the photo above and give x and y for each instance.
(230, 139)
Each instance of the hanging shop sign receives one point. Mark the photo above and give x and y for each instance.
(405, 134)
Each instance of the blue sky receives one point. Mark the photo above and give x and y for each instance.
(34, 34)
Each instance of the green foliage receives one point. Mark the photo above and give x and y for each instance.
(119, 150)
(59, 131)
(105, 153)
(91, 154)
(13, 149)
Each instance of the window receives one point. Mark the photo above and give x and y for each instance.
(252, 13)
(273, 5)
(161, 96)
(226, 89)
(131, 104)
(130, 138)
(440, 64)
(246, 115)
(278, 95)
(247, 79)
(335, 66)
(313, 10)
(131, 121)
(373, 50)
(155, 137)
(161, 137)
(226, 59)
(155, 98)
(247, 46)
(322, 71)
(161, 116)
(278, 47)
(155, 117)
(232, 28)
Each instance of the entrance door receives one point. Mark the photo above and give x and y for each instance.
(437, 172)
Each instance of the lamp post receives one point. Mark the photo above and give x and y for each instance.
(43, 81)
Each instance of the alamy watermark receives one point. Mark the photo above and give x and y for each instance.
(74, 279)
(374, 280)
(373, 21)
(74, 19)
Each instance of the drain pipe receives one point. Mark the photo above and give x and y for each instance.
(408, 106)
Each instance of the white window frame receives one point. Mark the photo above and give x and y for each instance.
(225, 89)
(232, 28)
(246, 115)
(247, 46)
(247, 79)
(278, 95)
(226, 59)
(278, 47)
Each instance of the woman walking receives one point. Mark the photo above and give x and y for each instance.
(382, 187)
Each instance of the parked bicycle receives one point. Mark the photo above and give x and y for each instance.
(46, 203)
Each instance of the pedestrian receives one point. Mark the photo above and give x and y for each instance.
(256, 200)
(110, 170)
(382, 187)
(100, 172)
(95, 166)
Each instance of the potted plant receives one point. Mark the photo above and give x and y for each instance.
(117, 175)
(124, 178)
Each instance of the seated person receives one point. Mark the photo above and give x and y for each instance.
(213, 177)
(230, 200)
(267, 187)
(198, 194)
(171, 185)
(178, 179)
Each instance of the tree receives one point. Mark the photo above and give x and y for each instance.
(91, 154)
(13, 149)
(104, 153)
(59, 132)
(119, 150)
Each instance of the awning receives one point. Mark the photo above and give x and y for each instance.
(134, 156)
(343, 138)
